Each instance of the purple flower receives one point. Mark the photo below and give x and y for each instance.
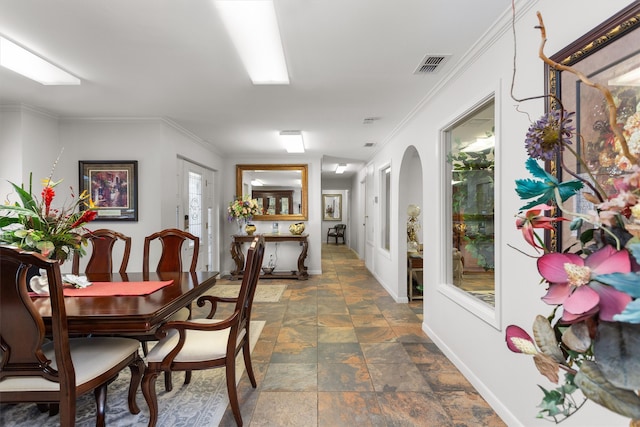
(545, 138)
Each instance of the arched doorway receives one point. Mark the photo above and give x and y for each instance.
(409, 193)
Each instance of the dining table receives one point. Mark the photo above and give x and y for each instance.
(128, 303)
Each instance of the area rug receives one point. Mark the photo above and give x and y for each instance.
(203, 402)
(264, 292)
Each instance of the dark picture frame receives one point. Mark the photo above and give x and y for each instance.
(113, 187)
(603, 54)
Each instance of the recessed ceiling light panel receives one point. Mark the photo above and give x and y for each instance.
(22, 61)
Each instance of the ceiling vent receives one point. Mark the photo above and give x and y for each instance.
(431, 64)
(370, 120)
(369, 144)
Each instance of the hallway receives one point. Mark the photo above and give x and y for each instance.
(338, 351)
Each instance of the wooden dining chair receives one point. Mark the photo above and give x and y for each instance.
(102, 245)
(337, 232)
(208, 343)
(54, 372)
(171, 241)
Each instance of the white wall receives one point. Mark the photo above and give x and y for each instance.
(506, 380)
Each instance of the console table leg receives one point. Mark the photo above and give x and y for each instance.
(238, 257)
(302, 270)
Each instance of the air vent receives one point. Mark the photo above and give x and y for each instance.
(431, 64)
(369, 144)
(370, 120)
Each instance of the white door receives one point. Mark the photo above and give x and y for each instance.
(195, 211)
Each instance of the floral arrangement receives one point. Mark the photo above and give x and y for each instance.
(243, 208)
(37, 226)
(593, 331)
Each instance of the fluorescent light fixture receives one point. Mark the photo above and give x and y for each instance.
(253, 28)
(20, 60)
(341, 168)
(480, 144)
(293, 141)
(631, 78)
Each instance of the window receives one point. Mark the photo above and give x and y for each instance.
(470, 147)
(385, 184)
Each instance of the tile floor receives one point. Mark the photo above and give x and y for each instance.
(338, 351)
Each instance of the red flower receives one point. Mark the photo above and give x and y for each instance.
(87, 216)
(47, 196)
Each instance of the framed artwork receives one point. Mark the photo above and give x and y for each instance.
(113, 186)
(608, 55)
(332, 207)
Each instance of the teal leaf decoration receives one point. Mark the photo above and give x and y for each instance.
(629, 283)
(634, 248)
(544, 189)
(595, 387)
(630, 314)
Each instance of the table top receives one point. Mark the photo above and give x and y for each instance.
(137, 314)
(271, 237)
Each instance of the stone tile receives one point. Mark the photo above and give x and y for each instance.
(340, 353)
(334, 320)
(375, 334)
(307, 334)
(394, 377)
(344, 377)
(469, 408)
(410, 333)
(349, 409)
(285, 410)
(414, 409)
(294, 352)
(291, 377)
(384, 353)
(369, 320)
(337, 334)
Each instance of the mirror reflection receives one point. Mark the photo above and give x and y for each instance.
(281, 190)
(472, 162)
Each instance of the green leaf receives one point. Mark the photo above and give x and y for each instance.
(617, 350)
(595, 387)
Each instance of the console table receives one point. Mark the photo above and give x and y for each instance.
(415, 269)
(238, 255)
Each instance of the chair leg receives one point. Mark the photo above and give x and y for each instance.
(149, 393)
(187, 377)
(168, 383)
(101, 404)
(246, 353)
(137, 368)
(233, 392)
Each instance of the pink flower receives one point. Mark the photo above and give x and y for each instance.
(534, 218)
(519, 341)
(573, 283)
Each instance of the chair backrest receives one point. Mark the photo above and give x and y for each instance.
(101, 259)
(255, 255)
(171, 255)
(22, 329)
(340, 228)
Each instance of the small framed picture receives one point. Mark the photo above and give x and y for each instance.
(332, 207)
(113, 187)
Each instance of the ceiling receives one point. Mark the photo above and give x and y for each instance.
(351, 65)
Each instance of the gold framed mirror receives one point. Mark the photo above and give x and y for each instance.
(280, 189)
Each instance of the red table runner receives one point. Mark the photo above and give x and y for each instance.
(103, 289)
(106, 289)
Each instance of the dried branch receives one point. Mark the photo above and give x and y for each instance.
(607, 94)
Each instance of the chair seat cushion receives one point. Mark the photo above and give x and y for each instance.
(199, 345)
(91, 357)
(180, 315)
